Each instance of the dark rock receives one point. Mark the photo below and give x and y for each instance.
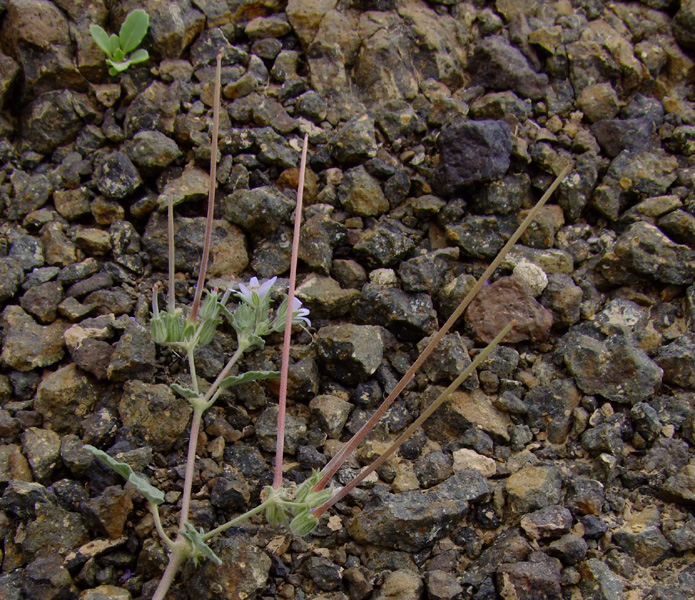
(54, 531)
(350, 353)
(133, 355)
(575, 190)
(479, 237)
(408, 316)
(550, 522)
(396, 119)
(258, 211)
(319, 236)
(585, 496)
(684, 25)
(646, 421)
(507, 299)
(42, 301)
(503, 197)
(413, 520)
(384, 245)
(679, 225)
(31, 192)
(230, 493)
(267, 427)
(355, 141)
(501, 106)
(27, 345)
(532, 488)
(53, 119)
(332, 414)
(361, 194)
(141, 408)
(323, 572)
(47, 579)
(550, 408)
(677, 360)
(426, 273)
(115, 175)
(58, 248)
(682, 538)
(109, 511)
(434, 468)
(447, 361)
(42, 449)
(599, 582)
(11, 276)
(500, 66)
(530, 580)
(152, 150)
(615, 135)
(508, 547)
(472, 152)
(64, 398)
(594, 528)
(615, 369)
(681, 486)
(604, 437)
(642, 539)
(442, 585)
(244, 570)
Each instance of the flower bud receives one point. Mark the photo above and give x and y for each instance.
(304, 523)
(158, 330)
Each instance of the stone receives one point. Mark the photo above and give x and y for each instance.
(679, 225)
(153, 414)
(414, 520)
(361, 194)
(615, 369)
(106, 592)
(350, 353)
(134, 355)
(550, 408)
(684, 25)
(259, 211)
(319, 236)
(564, 299)
(110, 510)
(426, 272)
(332, 413)
(615, 135)
(498, 65)
(598, 101)
(599, 582)
(471, 152)
(642, 539)
(408, 316)
(191, 186)
(403, 584)
(500, 302)
(152, 150)
(433, 468)
(463, 411)
(267, 428)
(354, 141)
(384, 245)
(681, 486)
(115, 175)
(570, 549)
(442, 585)
(64, 398)
(228, 255)
(58, 248)
(550, 522)
(532, 488)
(323, 296)
(470, 459)
(677, 360)
(42, 449)
(31, 192)
(585, 496)
(447, 361)
(27, 345)
(11, 277)
(52, 119)
(46, 577)
(529, 580)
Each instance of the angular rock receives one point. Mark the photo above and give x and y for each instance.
(499, 303)
(350, 353)
(615, 369)
(267, 429)
(533, 488)
(46, 577)
(615, 135)
(320, 234)
(530, 580)
(324, 296)
(642, 539)
(332, 413)
(449, 358)
(355, 141)
(599, 582)
(53, 119)
(11, 277)
(403, 583)
(110, 510)
(258, 211)
(407, 316)
(677, 360)
(115, 175)
(153, 414)
(152, 150)
(42, 449)
(384, 245)
(550, 408)
(361, 194)
(27, 345)
(549, 522)
(472, 152)
(412, 521)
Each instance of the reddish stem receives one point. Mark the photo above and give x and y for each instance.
(284, 370)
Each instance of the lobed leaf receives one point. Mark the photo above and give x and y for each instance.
(187, 393)
(133, 30)
(199, 549)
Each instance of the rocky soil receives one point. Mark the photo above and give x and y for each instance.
(564, 469)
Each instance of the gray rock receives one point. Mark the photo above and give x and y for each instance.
(414, 520)
(615, 369)
(53, 119)
(426, 273)
(508, 547)
(350, 353)
(681, 486)
(384, 245)
(267, 428)
(472, 152)
(396, 119)
(479, 237)
(564, 299)
(42, 301)
(115, 175)
(152, 150)
(433, 468)
(501, 105)
(677, 360)
(228, 255)
(684, 25)
(550, 408)
(9, 71)
(42, 449)
(31, 192)
(54, 531)
(141, 408)
(615, 135)
(679, 225)
(533, 488)
(332, 413)
(448, 360)
(643, 541)
(682, 538)
(570, 549)
(319, 236)
(503, 197)
(324, 296)
(598, 582)
(27, 345)
(442, 585)
(323, 572)
(604, 438)
(529, 580)
(47, 579)
(58, 248)
(585, 496)
(258, 211)
(408, 316)
(64, 398)
(134, 355)
(500, 66)
(574, 192)
(11, 277)
(355, 141)
(550, 522)
(361, 194)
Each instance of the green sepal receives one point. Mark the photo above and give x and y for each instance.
(247, 377)
(306, 486)
(304, 523)
(101, 38)
(185, 392)
(134, 29)
(207, 331)
(199, 549)
(124, 470)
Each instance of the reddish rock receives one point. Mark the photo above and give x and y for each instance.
(499, 303)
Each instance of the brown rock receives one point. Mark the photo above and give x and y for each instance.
(26, 344)
(503, 301)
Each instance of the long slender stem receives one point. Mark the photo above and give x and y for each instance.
(332, 467)
(172, 254)
(284, 370)
(158, 526)
(417, 423)
(191, 367)
(224, 372)
(211, 194)
(222, 528)
(190, 466)
(176, 558)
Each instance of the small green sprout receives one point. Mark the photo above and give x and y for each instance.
(118, 48)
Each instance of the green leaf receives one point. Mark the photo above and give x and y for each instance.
(138, 56)
(118, 56)
(101, 38)
(134, 29)
(247, 377)
(124, 470)
(199, 549)
(117, 67)
(115, 44)
(187, 393)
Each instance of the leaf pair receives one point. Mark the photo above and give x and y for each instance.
(118, 48)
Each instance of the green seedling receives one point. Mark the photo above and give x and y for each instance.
(121, 49)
